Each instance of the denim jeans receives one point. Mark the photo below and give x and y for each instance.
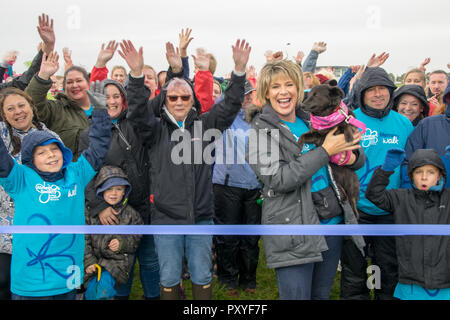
(148, 269)
(311, 281)
(198, 251)
(65, 296)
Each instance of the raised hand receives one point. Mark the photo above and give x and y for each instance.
(251, 72)
(376, 61)
(355, 69)
(97, 95)
(67, 55)
(202, 59)
(134, 58)
(277, 56)
(45, 30)
(49, 65)
(106, 54)
(299, 57)
(319, 47)
(173, 57)
(184, 40)
(424, 63)
(268, 55)
(241, 54)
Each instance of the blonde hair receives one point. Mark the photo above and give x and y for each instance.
(273, 69)
(315, 80)
(118, 67)
(419, 71)
(212, 63)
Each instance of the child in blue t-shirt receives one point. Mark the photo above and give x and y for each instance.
(423, 261)
(48, 189)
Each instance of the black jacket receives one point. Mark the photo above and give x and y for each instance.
(182, 192)
(22, 81)
(127, 152)
(422, 260)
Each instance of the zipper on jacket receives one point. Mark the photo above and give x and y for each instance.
(122, 136)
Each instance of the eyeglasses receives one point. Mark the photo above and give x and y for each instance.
(175, 98)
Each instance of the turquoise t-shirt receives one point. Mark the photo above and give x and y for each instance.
(88, 112)
(381, 135)
(320, 180)
(47, 264)
(180, 124)
(416, 292)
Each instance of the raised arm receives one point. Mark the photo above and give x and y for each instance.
(139, 110)
(39, 86)
(99, 71)
(184, 41)
(100, 130)
(47, 35)
(311, 60)
(376, 190)
(222, 115)
(203, 85)
(6, 161)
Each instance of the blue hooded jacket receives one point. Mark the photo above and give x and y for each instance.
(431, 133)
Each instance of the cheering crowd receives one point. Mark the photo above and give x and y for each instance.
(121, 147)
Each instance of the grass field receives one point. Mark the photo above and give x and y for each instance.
(265, 278)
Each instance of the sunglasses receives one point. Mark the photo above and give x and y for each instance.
(175, 98)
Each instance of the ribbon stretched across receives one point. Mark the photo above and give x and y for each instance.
(341, 230)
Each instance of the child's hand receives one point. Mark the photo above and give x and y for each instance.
(114, 245)
(91, 269)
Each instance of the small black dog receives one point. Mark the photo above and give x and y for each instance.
(324, 101)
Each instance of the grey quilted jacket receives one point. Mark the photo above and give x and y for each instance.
(285, 174)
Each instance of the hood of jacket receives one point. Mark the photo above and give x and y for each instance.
(370, 78)
(109, 176)
(39, 138)
(414, 90)
(422, 157)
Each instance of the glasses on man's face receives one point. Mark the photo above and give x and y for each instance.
(175, 98)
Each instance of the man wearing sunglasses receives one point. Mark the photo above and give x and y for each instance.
(181, 191)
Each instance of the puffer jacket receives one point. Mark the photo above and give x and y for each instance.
(118, 263)
(285, 174)
(62, 115)
(182, 192)
(423, 260)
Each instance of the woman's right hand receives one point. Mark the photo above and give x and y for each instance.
(335, 144)
(108, 216)
(49, 65)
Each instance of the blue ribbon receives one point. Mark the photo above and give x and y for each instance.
(326, 230)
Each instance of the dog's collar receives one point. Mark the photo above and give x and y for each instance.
(338, 116)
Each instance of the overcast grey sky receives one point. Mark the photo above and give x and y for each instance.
(409, 30)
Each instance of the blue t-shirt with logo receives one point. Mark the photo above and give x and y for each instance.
(381, 135)
(47, 264)
(321, 179)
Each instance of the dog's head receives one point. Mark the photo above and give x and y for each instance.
(323, 99)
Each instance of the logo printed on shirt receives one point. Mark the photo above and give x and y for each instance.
(389, 138)
(369, 138)
(49, 192)
(72, 193)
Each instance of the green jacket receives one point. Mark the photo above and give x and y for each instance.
(61, 115)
